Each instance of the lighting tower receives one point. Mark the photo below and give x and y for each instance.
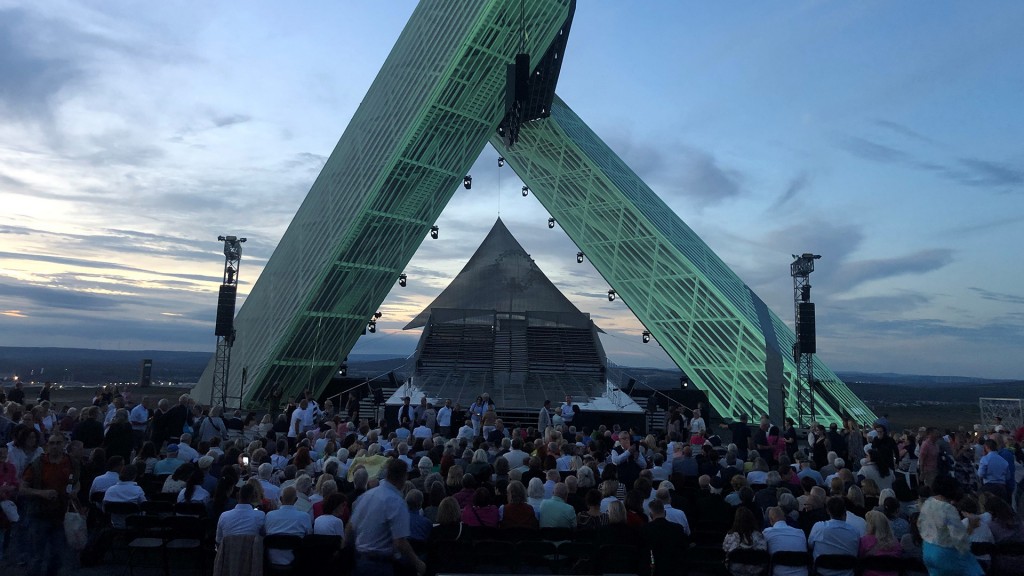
(225, 328)
(804, 347)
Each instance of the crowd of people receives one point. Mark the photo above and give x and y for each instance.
(391, 491)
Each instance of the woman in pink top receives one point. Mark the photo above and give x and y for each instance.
(879, 541)
(481, 512)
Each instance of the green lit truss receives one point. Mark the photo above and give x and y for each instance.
(426, 118)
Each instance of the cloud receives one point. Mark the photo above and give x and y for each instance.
(903, 131)
(851, 274)
(997, 296)
(873, 151)
(101, 265)
(799, 182)
(966, 171)
(30, 79)
(49, 297)
(223, 121)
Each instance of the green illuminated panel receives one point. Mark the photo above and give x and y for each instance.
(708, 321)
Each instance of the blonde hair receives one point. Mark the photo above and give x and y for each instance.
(878, 525)
(616, 513)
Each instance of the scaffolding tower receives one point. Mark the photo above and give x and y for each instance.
(804, 347)
(225, 327)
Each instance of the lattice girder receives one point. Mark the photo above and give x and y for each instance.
(702, 314)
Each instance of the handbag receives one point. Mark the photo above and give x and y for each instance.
(74, 528)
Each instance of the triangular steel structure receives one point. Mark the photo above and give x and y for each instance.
(464, 72)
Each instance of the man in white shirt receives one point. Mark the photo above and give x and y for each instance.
(672, 514)
(185, 451)
(270, 490)
(125, 490)
(467, 431)
(295, 430)
(567, 411)
(422, 431)
(139, 419)
(782, 537)
(114, 466)
(243, 519)
(287, 520)
(444, 419)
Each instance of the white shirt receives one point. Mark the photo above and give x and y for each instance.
(138, 418)
(187, 453)
(123, 492)
(240, 521)
(677, 516)
(329, 524)
(782, 537)
(466, 432)
(422, 432)
(697, 425)
(444, 417)
(857, 522)
(200, 494)
(104, 481)
(297, 417)
(270, 490)
(286, 520)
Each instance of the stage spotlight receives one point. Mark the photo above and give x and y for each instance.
(403, 280)
(433, 232)
(684, 382)
(579, 257)
(501, 161)
(343, 370)
(611, 295)
(378, 314)
(551, 222)
(526, 191)
(372, 326)
(467, 182)
(646, 336)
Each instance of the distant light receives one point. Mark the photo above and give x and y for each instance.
(551, 222)
(579, 257)
(467, 182)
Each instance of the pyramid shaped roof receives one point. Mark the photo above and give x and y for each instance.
(500, 276)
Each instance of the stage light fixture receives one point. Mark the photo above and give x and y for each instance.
(434, 231)
(467, 182)
(551, 222)
(343, 370)
(372, 326)
(611, 295)
(403, 280)
(579, 257)
(526, 191)
(501, 161)
(684, 382)
(377, 314)
(646, 336)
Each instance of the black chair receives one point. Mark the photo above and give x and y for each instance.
(557, 534)
(197, 509)
(748, 557)
(157, 508)
(518, 534)
(795, 559)
(287, 542)
(164, 497)
(186, 534)
(317, 551)
(618, 559)
(144, 533)
(835, 562)
(119, 512)
(577, 557)
(449, 556)
(494, 556)
(538, 553)
(893, 564)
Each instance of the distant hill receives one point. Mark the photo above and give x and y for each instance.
(99, 366)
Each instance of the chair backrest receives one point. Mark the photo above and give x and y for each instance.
(185, 527)
(121, 508)
(143, 525)
(157, 508)
(190, 509)
(893, 564)
(791, 559)
(835, 562)
(556, 534)
(749, 557)
(282, 542)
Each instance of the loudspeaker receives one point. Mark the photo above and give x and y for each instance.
(225, 311)
(517, 81)
(805, 328)
(147, 370)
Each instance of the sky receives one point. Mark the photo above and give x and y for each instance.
(885, 137)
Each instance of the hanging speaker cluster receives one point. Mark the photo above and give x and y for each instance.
(805, 337)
